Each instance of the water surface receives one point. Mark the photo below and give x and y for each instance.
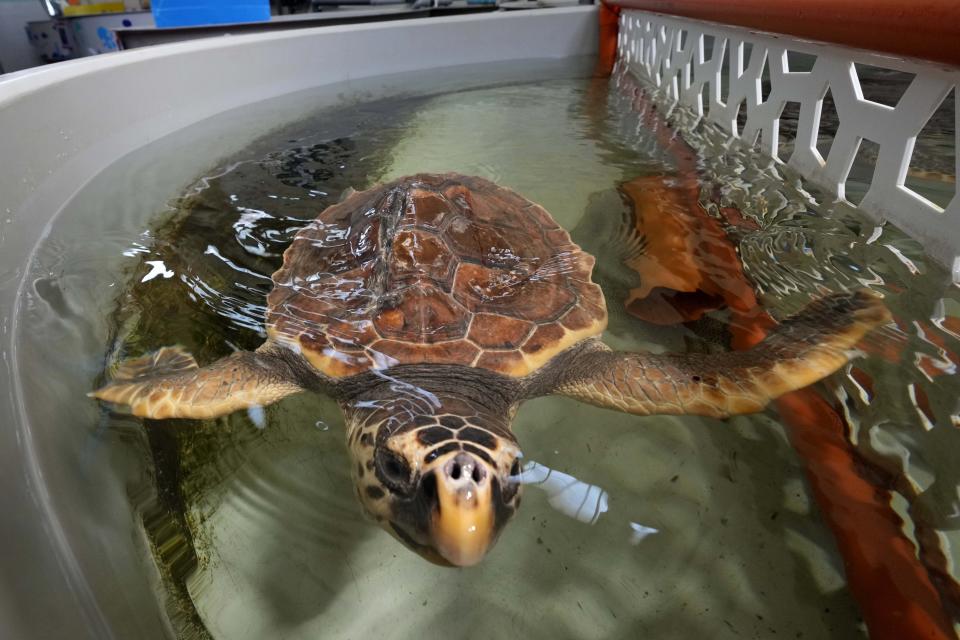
(256, 531)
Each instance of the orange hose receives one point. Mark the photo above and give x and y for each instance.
(609, 27)
(893, 588)
(688, 266)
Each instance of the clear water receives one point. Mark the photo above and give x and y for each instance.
(256, 533)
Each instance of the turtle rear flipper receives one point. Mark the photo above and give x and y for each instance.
(169, 384)
(803, 349)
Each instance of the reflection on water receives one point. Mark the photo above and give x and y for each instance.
(257, 531)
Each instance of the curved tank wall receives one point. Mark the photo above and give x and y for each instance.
(72, 565)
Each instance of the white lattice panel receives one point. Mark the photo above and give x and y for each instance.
(683, 59)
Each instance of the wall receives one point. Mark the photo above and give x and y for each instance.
(15, 50)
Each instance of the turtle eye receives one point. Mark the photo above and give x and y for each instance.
(393, 470)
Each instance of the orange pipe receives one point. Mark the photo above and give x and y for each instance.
(893, 588)
(894, 591)
(674, 287)
(688, 266)
(926, 29)
(607, 52)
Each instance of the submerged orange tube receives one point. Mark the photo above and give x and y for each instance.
(687, 266)
(894, 591)
(893, 588)
(673, 286)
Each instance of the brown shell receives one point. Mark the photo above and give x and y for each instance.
(434, 269)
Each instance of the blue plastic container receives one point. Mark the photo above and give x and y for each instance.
(192, 13)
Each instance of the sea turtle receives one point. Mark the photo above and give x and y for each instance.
(431, 307)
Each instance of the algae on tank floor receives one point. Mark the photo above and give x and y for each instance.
(203, 284)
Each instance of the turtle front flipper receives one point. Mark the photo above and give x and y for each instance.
(803, 349)
(169, 384)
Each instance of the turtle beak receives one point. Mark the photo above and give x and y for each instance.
(462, 525)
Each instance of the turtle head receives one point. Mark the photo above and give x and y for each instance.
(443, 484)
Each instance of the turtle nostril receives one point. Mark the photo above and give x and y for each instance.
(465, 467)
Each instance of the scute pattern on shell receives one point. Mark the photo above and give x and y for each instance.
(434, 269)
